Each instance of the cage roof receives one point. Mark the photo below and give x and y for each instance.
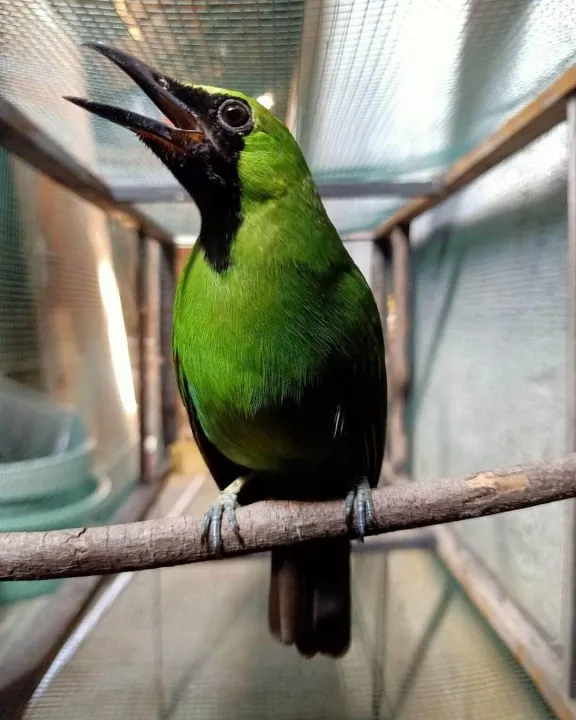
(374, 90)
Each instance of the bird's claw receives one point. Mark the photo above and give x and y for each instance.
(227, 502)
(360, 508)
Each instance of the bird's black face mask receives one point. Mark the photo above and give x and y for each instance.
(201, 147)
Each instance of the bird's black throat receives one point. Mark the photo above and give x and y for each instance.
(221, 219)
(214, 185)
(221, 215)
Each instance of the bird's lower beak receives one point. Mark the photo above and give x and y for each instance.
(186, 129)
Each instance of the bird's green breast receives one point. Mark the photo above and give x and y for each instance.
(257, 338)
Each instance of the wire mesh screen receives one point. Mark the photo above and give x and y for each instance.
(179, 218)
(388, 97)
(489, 356)
(245, 45)
(19, 341)
(351, 77)
(125, 254)
(68, 358)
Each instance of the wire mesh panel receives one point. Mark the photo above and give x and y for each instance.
(124, 250)
(19, 331)
(244, 45)
(352, 77)
(489, 357)
(400, 89)
(68, 354)
(69, 382)
(386, 92)
(181, 218)
(87, 348)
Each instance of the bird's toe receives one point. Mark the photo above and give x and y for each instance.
(359, 509)
(227, 502)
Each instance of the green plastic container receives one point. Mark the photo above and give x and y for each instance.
(47, 479)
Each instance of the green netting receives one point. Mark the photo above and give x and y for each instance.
(374, 89)
(19, 351)
(393, 81)
(124, 251)
(490, 357)
(68, 329)
(252, 46)
(181, 218)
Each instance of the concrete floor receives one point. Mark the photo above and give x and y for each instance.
(193, 642)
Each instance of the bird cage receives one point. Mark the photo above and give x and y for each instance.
(442, 139)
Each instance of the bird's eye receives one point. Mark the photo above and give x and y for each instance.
(235, 115)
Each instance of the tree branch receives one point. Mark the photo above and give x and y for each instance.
(264, 525)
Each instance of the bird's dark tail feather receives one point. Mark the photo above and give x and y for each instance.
(309, 603)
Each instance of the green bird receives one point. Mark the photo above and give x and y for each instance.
(277, 341)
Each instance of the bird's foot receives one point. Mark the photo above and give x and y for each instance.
(359, 509)
(227, 502)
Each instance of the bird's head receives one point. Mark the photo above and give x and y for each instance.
(221, 143)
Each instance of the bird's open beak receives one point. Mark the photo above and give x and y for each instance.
(187, 128)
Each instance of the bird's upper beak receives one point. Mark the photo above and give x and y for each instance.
(187, 129)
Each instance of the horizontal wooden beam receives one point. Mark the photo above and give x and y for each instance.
(265, 525)
(385, 188)
(344, 190)
(535, 119)
(19, 135)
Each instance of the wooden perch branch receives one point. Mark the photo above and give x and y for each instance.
(176, 541)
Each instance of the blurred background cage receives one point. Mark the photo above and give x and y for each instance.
(472, 621)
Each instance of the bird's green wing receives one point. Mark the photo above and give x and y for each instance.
(375, 435)
(223, 470)
(366, 407)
